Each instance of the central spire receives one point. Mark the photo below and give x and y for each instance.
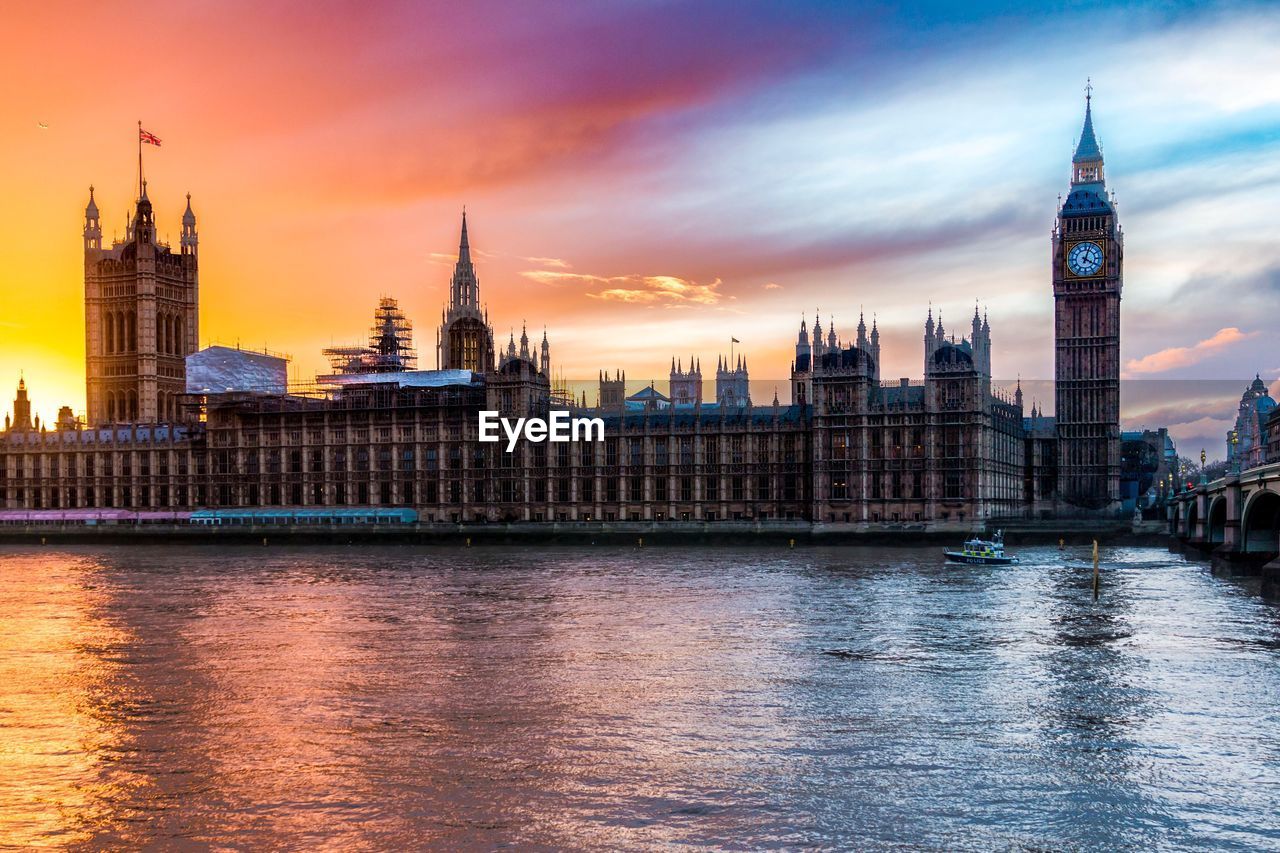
(465, 291)
(1086, 163)
(464, 247)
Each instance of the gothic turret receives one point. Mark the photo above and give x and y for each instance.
(190, 239)
(21, 407)
(144, 220)
(92, 224)
(803, 351)
(875, 344)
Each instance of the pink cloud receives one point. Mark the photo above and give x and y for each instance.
(1174, 357)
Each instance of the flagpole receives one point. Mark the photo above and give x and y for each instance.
(139, 158)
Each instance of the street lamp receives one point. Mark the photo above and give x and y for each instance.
(1235, 451)
(1204, 478)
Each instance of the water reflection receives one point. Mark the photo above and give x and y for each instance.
(625, 698)
(58, 665)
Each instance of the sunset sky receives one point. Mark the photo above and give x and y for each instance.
(649, 178)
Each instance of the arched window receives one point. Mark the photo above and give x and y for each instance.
(110, 337)
(120, 338)
(111, 406)
(133, 406)
(170, 341)
(133, 332)
(180, 347)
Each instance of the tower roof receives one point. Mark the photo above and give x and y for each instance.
(1088, 148)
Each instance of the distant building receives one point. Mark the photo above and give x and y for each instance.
(1147, 457)
(1247, 442)
(648, 399)
(733, 388)
(686, 386)
(613, 392)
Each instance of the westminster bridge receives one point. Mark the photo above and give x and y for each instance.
(1235, 520)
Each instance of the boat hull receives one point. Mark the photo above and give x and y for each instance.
(977, 560)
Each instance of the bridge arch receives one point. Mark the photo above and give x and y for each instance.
(1176, 525)
(1260, 525)
(1216, 530)
(1190, 529)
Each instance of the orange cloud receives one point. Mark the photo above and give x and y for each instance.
(554, 278)
(644, 289)
(1168, 359)
(558, 263)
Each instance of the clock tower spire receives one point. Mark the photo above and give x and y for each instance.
(1087, 258)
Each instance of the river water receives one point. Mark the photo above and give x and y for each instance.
(385, 698)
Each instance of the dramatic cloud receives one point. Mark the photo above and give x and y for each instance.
(767, 159)
(1175, 357)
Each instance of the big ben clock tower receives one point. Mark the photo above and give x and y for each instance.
(1088, 257)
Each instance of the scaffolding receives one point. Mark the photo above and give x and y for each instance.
(390, 348)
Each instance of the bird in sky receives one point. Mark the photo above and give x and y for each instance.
(43, 125)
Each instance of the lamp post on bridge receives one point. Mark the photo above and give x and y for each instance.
(1204, 477)
(1235, 451)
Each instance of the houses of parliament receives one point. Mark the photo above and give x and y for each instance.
(171, 427)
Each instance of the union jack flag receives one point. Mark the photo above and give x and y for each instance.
(148, 137)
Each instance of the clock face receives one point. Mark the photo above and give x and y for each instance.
(1085, 258)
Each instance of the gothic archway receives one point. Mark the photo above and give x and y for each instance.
(1260, 525)
(1216, 531)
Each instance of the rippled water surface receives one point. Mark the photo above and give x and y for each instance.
(386, 698)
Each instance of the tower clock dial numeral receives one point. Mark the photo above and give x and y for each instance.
(1085, 258)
